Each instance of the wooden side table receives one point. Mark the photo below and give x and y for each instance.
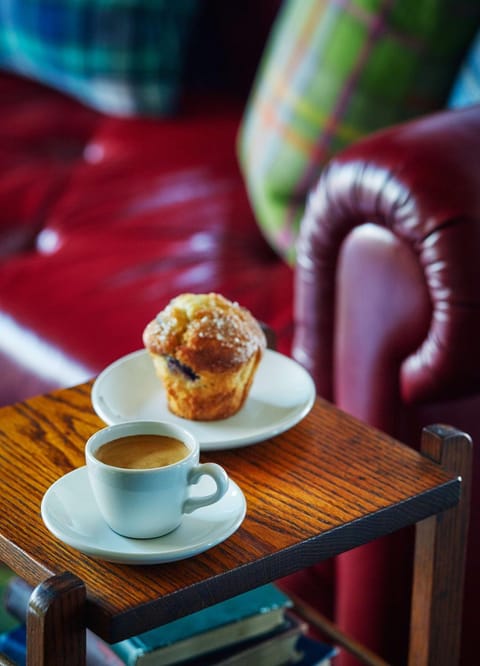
(327, 485)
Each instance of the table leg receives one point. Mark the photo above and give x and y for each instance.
(56, 623)
(440, 553)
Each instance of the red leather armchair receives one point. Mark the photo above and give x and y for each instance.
(387, 320)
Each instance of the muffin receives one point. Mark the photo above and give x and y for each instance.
(206, 351)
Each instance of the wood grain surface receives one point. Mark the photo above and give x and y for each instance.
(326, 485)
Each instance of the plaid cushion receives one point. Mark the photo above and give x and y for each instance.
(119, 56)
(333, 72)
(466, 88)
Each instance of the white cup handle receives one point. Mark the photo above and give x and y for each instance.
(218, 474)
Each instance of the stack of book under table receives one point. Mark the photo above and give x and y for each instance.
(257, 628)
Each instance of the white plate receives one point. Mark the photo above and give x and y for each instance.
(282, 394)
(70, 512)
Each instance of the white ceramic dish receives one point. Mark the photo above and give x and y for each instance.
(70, 513)
(281, 395)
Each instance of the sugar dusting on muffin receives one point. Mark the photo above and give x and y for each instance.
(206, 350)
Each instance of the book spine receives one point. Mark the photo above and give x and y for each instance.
(12, 646)
(128, 652)
(16, 599)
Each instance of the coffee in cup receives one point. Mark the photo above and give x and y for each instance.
(141, 472)
(142, 451)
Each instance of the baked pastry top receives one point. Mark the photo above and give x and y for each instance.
(205, 332)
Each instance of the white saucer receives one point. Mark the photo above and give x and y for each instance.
(70, 512)
(281, 395)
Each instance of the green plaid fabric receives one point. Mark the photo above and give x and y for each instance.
(333, 72)
(122, 57)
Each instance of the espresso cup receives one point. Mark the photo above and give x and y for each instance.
(142, 490)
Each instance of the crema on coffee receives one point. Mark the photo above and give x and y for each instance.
(142, 451)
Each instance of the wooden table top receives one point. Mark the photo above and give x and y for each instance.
(326, 485)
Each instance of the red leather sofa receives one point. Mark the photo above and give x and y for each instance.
(103, 220)
(387, 320)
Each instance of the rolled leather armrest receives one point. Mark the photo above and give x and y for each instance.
(421, 181)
